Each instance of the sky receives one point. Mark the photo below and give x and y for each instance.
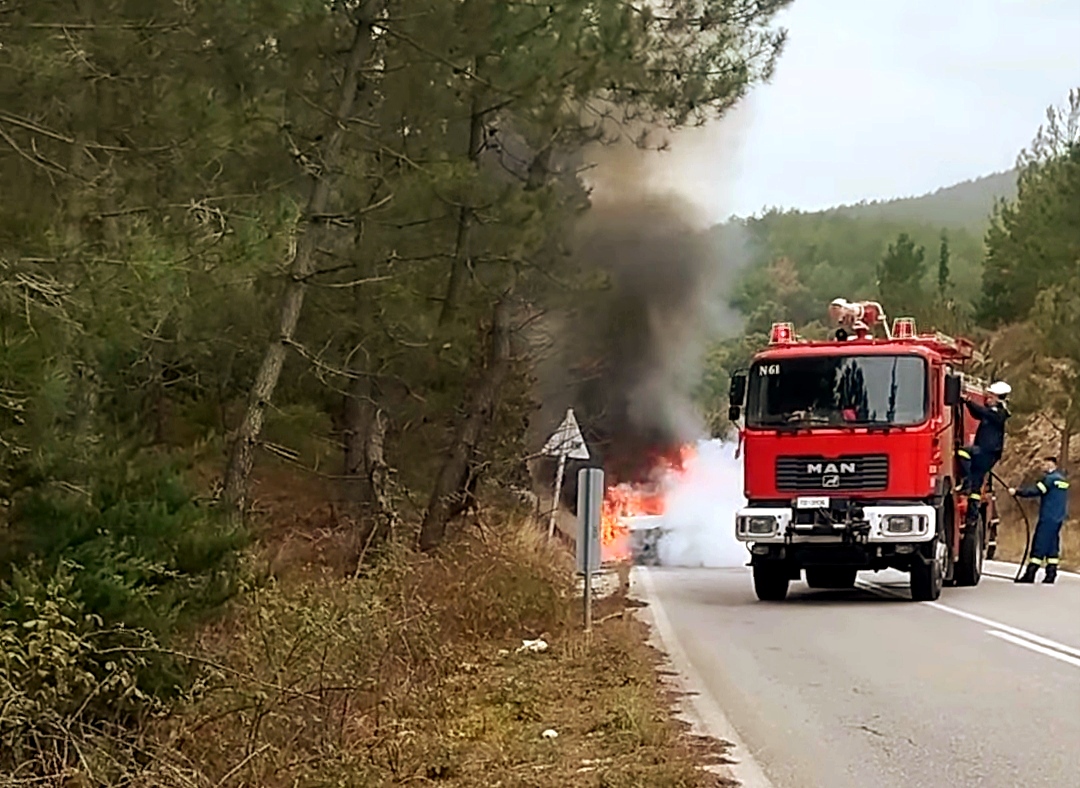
(874, 100)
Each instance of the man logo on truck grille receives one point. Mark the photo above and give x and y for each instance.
(830, 467)
(830, 472)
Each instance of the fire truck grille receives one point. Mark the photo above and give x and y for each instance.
(852, 473)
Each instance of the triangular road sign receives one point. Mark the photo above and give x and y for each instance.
(567, 440)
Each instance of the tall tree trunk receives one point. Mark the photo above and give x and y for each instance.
(1068, 427)
(460, 261)
(368, 475)
(453, 480)
(363, 446)
(358, 416)
(242, 456)
(161, 408)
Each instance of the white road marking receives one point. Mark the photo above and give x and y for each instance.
(745, 770)
(1035, 647)
(1015, 631)
(1031, 637)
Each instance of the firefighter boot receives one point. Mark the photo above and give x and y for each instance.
(1051, 573)
(1029, 575)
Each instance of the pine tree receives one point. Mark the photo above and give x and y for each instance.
(943, 282)
(900, 276)
(1034, 241)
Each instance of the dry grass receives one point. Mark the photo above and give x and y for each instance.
(410, 674)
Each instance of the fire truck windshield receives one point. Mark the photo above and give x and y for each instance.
(842, 390)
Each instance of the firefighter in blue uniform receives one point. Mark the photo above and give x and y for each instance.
(978, 459)
(1053, 489)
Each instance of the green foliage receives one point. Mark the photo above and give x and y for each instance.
(943, 280)
(721, 360)
(1034, 241)
(148, 555)
(900, 275)
(1056, 319)
(66, 678)
(965, 206)
(799, 262)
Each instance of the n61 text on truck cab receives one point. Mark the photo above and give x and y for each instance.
(850, 456)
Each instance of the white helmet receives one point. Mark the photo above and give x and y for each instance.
(1000, 388)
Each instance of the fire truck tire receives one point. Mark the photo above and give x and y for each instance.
(927, 576)
(771, 580)
(969, 567)
(834, 577)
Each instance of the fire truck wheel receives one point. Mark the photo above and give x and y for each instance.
(969, 567)
(928, 574)
(831, 576)
(771, 579)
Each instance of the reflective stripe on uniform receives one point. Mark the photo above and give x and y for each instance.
(1037, 562)
(1061, 484)
(975, 497)
(964, 453)
(1042, 487)
(1053, 561)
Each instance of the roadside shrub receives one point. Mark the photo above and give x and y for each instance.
(319, 679)
(147, 555)
(68, 682)
(99, 582)
(511, 583)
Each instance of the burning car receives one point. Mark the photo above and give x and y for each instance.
(646, 531)
(632, 519)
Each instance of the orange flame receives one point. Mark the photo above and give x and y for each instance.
(625, 500)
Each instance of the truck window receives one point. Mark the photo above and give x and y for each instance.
(849, 390)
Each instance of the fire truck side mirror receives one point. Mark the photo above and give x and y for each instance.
(737, 390)
(736, 395)
(954, 385)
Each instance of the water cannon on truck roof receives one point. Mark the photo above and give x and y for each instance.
(850, 456)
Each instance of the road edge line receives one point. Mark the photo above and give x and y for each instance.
(700, 706)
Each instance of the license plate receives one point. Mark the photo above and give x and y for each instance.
(806, 502)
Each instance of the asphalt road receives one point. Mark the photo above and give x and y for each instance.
(866, 688)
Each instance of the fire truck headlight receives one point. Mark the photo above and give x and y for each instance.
(900, 523)
(761, 526)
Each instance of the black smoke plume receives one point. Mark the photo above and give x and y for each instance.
(629, 359)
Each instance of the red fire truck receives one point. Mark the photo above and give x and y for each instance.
(850, 456)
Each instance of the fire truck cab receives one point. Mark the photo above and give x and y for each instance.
(850, 456)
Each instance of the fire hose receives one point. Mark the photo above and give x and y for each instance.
(1027, 525)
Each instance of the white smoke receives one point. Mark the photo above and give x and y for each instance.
(699, 510)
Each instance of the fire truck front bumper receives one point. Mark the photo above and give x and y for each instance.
(885, 524)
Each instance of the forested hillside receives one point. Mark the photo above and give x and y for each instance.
(797, 263)
(967, 205)
(794, 261)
